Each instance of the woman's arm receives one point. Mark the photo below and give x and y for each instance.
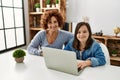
(98, 57)
(34, 46)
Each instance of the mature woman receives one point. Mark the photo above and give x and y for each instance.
(51, 36)
(86, 48)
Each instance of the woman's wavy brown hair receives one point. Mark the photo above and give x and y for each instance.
(76, 42)
(46, 17)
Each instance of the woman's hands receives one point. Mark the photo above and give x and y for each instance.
(83, 64)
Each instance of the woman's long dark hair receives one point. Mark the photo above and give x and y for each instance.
(76, 42)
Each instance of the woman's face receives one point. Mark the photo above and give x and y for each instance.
(53, 24)
(83, 34)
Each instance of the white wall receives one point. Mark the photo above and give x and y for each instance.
(103, 14)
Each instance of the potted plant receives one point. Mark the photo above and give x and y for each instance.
(114, 53)
(57, 3)
(53, 5)
(19, 54)
(48, 3)
(37, 7)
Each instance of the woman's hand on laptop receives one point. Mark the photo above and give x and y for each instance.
(83, 64)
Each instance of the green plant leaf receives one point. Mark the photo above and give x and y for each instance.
(114, 51)
(57, 1)
(19, 53)
(37, 5)
(48, 2)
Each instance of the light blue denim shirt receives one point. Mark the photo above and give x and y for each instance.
(94, 53)
(41, 40)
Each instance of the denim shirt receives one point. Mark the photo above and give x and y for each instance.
(94, 53)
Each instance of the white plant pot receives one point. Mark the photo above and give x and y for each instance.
(57, 5)
(48, 6)
(37, 9)
(114, 55)
(53, 6)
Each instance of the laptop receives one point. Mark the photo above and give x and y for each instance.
(61, 60)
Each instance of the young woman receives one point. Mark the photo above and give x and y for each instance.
(51, 36)
(86, 48)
